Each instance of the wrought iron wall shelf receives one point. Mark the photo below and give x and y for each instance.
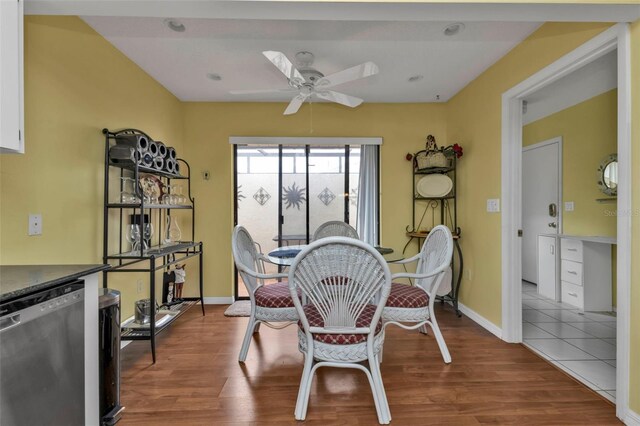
(157, 257)
(446, 205)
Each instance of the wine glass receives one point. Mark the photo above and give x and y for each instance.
(133, 237)
(167, 197)
(147, 233)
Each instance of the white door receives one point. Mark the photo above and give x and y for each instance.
(541, 212)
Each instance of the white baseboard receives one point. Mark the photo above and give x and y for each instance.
(632, 418)
(218, 300)
(480, 320)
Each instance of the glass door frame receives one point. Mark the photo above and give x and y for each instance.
(307, 150)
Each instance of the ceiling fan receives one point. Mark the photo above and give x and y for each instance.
(307, 81)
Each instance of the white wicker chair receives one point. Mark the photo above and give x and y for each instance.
(414, 303)
(343, 285)
(270, 303)
(335, 228)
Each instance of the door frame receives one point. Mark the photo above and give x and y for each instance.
(557, 140)
(302, 142)
(618, 37)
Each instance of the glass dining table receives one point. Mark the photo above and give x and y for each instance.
(284, 256)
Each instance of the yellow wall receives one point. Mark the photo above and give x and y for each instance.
(76, 83)
(634, 382)
(589, 134)
(208, 126)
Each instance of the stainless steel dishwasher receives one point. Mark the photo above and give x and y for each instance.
(42, 358)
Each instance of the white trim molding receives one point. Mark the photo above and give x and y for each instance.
(218, 300)
(616, 37)
(279, 140)
(632, 418)
(480, 320)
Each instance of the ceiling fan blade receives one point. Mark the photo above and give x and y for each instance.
(259, 91)
(340, 98)
(354, 73)
(284, 65)
(295, 104)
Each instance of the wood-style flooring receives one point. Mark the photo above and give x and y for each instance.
(197, 380)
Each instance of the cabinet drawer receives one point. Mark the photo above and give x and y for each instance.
(573, 295)
(571, 272)
(571, 249)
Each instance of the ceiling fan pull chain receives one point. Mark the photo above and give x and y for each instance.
(310, 116)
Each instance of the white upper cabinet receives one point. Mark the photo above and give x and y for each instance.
(11, 77)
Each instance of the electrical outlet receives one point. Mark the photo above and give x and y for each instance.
(139, 285)
(493, 205)
(569, 206)
(35, 224)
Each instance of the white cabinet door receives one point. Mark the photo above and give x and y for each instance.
(11, 77)
(547, 255)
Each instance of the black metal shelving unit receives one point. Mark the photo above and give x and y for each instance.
(448, 207)
(156, 257)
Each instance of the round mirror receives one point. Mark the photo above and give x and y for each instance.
(608, 175)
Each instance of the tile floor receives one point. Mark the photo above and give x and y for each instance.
(581, 344)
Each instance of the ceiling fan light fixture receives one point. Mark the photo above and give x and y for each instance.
(453, 29)
(415, 78)
(175, 25)
(213, 76)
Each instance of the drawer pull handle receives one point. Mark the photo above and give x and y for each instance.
(572, 249)
(573, 294)
(572, 272)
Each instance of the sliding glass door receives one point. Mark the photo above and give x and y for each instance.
(283, 193)
(294, 196)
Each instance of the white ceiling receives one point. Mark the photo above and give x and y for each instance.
(595, 78)
(404, 39)
(232, 48)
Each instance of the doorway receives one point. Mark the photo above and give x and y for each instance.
(617, 37)
(284, 192)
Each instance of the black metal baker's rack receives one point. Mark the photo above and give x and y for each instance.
(156, 257)
(448, 208)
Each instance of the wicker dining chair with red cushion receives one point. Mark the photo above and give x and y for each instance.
(414, 303)
(271, 304)
(343, 284)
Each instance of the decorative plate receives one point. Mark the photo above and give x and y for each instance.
(151, 187)
(436, 185)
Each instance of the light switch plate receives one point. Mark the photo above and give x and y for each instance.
(493, 205)
(568, 206)
(35, 224)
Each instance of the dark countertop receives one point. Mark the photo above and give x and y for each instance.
(21, 280)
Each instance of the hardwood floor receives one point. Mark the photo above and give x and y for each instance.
(197, 380)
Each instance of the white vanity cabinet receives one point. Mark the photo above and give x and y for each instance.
(576, 270)
(585, 273)
(11, 77)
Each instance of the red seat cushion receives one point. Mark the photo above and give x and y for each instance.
(407, 296)
(364, 320)
(274, 296)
